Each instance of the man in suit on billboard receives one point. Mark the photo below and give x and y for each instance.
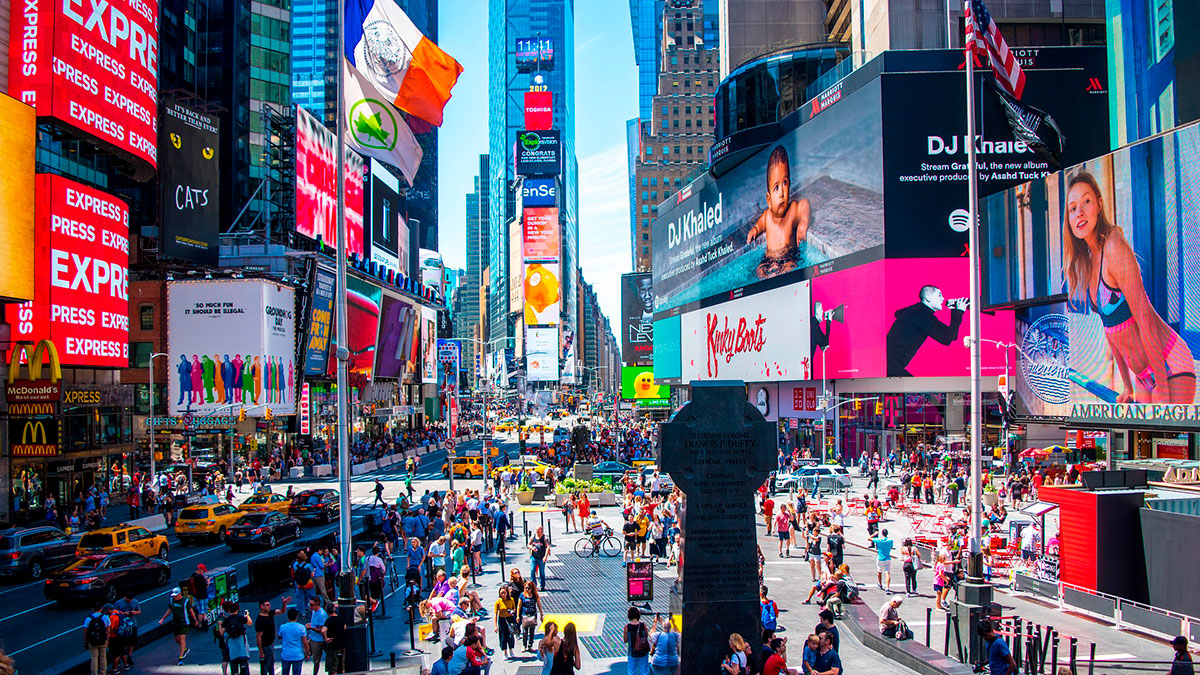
(916, 323)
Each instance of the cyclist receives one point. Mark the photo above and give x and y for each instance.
(596, 528)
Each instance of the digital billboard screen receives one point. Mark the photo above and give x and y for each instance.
(189, 183)
(449, 360)
(535, 52)
(637, 318)
(637, 384)
(1041, 373)
(362, 314)
(539, 192)
(541, 354)
(539, 110)
(316, 185)
(320, 323)
(540, 235)
(812, 196)
(231, 342)
(17, 200)
(387, 240)
(543, 294)
(93, 66)
(81, 271)
(395, 342)
(429, 373)
(539, 153)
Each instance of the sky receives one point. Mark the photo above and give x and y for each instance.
(606, 96)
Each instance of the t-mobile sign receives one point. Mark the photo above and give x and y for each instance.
(81, 296)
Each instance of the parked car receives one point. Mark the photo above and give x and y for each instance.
(106, 576)
(830, 477)
(322, 505)
(33, 550)
(262, 528)
(205, 521)
(561, 434)
(122, 538)
(266, 501)
(610, 468)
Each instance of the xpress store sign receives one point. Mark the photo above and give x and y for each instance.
(81, 293)
(94, 65)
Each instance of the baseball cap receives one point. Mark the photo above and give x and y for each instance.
(1179, 641)
(175, 592)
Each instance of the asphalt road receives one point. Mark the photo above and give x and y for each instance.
(40, 634)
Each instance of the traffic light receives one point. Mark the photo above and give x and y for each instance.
(879, 407)
(269, 416)
(241, 414)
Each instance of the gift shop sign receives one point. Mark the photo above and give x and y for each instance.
(757, 338)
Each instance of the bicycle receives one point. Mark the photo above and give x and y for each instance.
(607, 545)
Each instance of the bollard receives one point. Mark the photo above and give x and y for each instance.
(1018, 641)
(503, 576)
(946, 646)
(928, 623)
(1039, 651)
(1074, 644)
(958, 641)
(392, 658)
(1091, 658)
(1054, 653)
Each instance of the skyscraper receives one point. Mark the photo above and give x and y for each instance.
(509, 21)
(469, 314)
(751, 28)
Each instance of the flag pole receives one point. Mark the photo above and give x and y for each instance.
(975, 566)
(346, 580)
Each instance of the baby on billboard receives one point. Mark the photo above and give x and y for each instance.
(784, 222)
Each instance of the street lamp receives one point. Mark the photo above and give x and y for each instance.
(1007, 394)
(150, 420)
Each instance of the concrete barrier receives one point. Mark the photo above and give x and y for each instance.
(320, 470)
(386, 460)
(365, 467)
(296, 472)
(155, 523)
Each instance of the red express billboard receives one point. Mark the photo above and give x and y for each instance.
(316, 185)
(94, 65)
(81, 293)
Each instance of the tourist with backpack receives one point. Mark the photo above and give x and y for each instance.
(302, 577)
(769, 611)
(95, 639)
(182, 613)
(664, 646)
(127, 609)
(232, 633)
(637, 638)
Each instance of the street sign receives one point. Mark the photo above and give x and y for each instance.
(450, 444)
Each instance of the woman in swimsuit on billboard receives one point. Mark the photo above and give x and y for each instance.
(1102, 270)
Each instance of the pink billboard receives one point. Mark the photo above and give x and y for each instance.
(846, 321)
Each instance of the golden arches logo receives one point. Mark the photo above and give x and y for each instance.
(32, 429)
(33, 355)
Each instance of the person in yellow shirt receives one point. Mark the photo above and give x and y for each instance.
(506, 621)
(643, 526)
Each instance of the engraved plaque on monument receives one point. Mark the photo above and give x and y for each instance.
(718, 449)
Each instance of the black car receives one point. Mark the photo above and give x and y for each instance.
(321, 505)
(33, 550)
(262, 528)
(106, 577)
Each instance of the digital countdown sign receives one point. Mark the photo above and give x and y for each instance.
(94, 65)
(81, 293)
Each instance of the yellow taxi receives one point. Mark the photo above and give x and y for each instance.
(123, 537)
(539, 467)
(266, 501)
(205, 521)
(505, 427)
(465, 467)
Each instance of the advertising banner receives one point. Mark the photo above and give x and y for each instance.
(395, 341)
(433, 273)
(81, 275)
(449, 360)
(757, 338)
(813, 196)
(800, 399)
(925, 316)
(567, 376)
(362, 314)
(764, 396)
(637, 384)
(231, 343)
(637, 318)
(539, 110)
(1042, 370)
(305, 409)
(541, 234)
(539, 192)
(535, 52)
(847, 323)
(925, 184)
(387, 243)
(17, 200)
(189, 183)
(94, 67)
(34, 436)
(541, 354)
(316, 185)
(429, 354)
(320, 323)
(543, 294)
(668, 352)
(539, 153)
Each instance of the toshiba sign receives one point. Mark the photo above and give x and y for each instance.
(81, 296)
(539, 110)
(94, 65)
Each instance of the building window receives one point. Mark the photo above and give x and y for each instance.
(654, 181)
(645, 250)
(666, 150)
(645, 237)
(654, 195)
(645, 181)
(146, 317)
(139, 354)
(676, 151)
(645, 194)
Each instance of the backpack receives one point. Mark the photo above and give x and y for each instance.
(97, 632)
(126, 626)
(302, 575)
(538, 549)
(770, 615)
(639, 644)
(375, 574)
(235, 626)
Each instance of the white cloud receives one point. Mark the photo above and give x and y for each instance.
(604, 225)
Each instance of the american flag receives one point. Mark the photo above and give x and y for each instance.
(985, 38)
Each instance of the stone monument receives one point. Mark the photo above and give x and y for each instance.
(718, 449)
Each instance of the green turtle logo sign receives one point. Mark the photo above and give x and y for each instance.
(530, 140)
(373, 124)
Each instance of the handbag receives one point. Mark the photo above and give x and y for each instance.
(529, 622)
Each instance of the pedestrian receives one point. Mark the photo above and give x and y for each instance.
(182, 613)
(336, 641)
(302, 579)
(567, 658)
(318, 562)
(735, 663)
(883, 560)
(264, 635)
(910, 558)
(568, 511)
(664, 646)
(529, 608)
(233, 628)
(442, 665)
(828, 662)
(315, 632)
(539, 551)
(890, 623)
(291, 636)
(127, 609)
(637, 641)
(768, 610)
(415, 561)
(783, 529)
(825, 625)
(776, 663)
(95, 638)
(1181, 664)
(506, 621)
(941, 581)
(999, 656)
(835, 543)
(378, 490)
(629, 529)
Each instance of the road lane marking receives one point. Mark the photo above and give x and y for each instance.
(26, 611)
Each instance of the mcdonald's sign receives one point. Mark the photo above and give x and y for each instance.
(34, 390)
(34, 436)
